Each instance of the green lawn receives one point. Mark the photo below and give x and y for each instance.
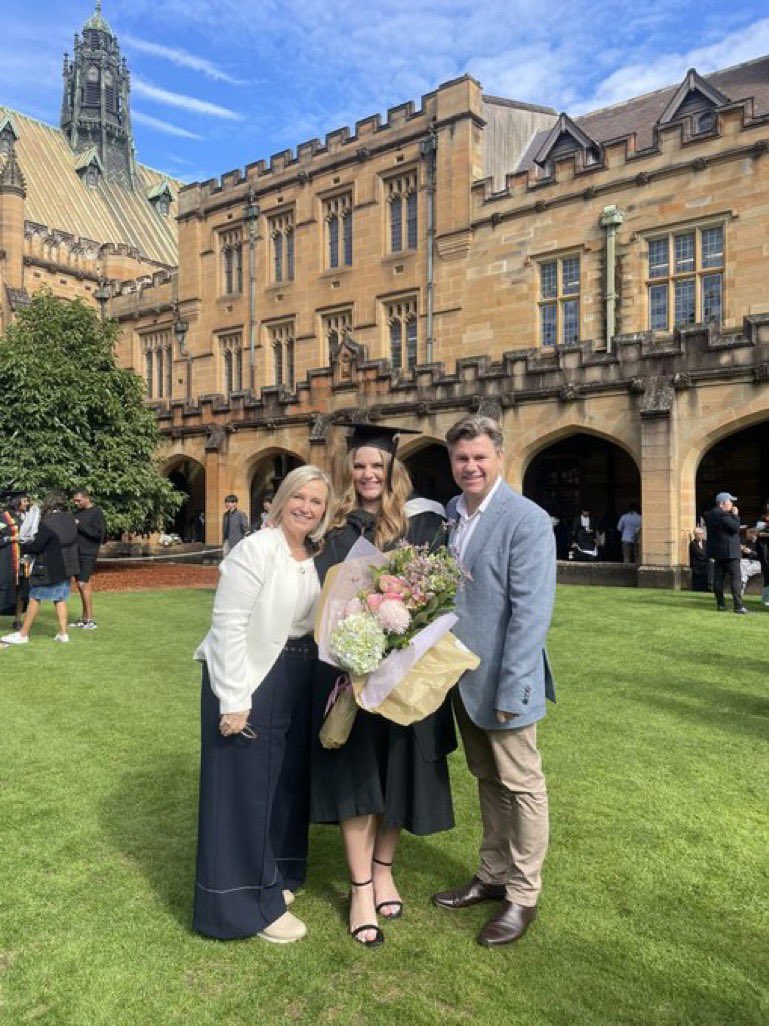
(656, 885)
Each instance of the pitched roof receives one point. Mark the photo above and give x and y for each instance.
(108, 212)
(642, 113)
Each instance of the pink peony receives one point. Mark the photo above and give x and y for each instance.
(393, 616)
(374, 602)
(389, 583)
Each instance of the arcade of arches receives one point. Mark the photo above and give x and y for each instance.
(580, 468)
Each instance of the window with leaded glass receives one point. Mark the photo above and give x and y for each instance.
(337, 211)
(685, 277)
(231, 244)
(402, 199)
(282, 340)
(281, 228)
(560, 285)
(158, 364)
(402, 327)
(335, 327)
(231, 346)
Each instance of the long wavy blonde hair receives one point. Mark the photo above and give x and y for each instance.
(391, 520)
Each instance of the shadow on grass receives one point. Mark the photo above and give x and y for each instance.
(727, 709)
(423, 865)
(151, 818)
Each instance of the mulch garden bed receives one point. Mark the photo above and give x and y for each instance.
(147, 576)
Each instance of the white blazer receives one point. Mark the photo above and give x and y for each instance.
(253, 610)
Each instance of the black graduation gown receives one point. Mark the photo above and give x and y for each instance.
(400, 773)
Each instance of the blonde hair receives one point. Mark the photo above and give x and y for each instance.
(290, 484)
(391, 520)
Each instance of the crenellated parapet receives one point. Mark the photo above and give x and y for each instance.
(640, 367)
(459, 98)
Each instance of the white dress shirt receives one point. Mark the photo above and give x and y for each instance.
(467, 523)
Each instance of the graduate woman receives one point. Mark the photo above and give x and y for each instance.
(385, 777)
(259, 659)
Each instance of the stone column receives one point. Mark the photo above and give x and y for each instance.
(217, 485)
(659, 500)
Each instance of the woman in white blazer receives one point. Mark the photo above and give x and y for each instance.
(259, 658)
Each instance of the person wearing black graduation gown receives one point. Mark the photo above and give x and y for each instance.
(698, 561)
(385, 777)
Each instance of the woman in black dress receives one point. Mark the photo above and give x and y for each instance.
(385, 777)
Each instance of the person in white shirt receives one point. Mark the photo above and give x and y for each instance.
(629, 527)
(259, 658)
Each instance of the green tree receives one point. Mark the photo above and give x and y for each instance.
(70, 417)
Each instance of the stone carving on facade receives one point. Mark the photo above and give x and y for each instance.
(657, 399)
(345, 358)
(681, 381)
(216, 438)
(319, 427)
(570, 392)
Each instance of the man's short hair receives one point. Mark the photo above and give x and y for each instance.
(81, 491)
(476, 426)
(230, 498)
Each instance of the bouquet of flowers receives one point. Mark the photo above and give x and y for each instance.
(386, 619)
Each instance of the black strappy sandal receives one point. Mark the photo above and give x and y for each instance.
(355, 934)
(385, 904)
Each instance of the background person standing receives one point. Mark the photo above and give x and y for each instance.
(629, 527)
(723, 528)
(234, 524)
(91, 531)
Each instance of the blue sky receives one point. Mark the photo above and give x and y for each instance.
(217, 84)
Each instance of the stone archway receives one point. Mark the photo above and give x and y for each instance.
(428, 465)
(188, 476)
(588, 471)
(267, 473)
(739, 463)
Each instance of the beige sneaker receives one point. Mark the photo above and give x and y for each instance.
(288, 898)
(284, 930)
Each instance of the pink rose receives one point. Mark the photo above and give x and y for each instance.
(389, 583)
(374, 602)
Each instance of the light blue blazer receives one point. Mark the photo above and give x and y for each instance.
(505, 610)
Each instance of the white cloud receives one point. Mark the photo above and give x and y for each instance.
(163, 126)
(181, 58)
(183, 102)
(669, 68)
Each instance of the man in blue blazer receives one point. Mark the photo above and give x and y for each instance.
(506, 544)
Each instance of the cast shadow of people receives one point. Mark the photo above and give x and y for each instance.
(151, 819)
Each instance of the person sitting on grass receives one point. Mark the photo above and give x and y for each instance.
(55, 550)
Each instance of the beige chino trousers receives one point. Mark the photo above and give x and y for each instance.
(514, 809)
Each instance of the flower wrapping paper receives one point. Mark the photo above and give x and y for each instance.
(411, 683)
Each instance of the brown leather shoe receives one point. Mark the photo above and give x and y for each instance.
(472, 893)
(509, 924)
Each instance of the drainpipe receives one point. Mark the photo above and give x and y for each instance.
(428, 148)
(250, 215)
(611, 219)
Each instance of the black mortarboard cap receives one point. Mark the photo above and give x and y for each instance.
(378, 436)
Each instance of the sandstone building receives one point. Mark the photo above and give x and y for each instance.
(78, 213)
(598, 282)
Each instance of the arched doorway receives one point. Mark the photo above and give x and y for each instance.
(268, 473)
(738, 464)
(585, 471)
(189, 477)
(430, 472)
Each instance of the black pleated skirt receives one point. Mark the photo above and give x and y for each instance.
(254, 802)
(398, 773)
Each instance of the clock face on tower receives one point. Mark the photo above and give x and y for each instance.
(93, 74)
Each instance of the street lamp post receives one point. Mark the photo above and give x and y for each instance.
(251, 216)
(181, 327)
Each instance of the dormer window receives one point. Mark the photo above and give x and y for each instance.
(91, 176)
(160, 197)
(705, 122)
(566, 138)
